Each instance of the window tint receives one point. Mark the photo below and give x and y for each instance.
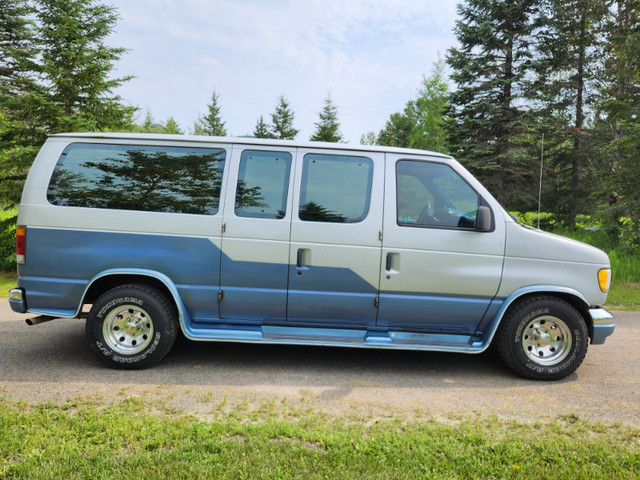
(434, 195)
(133, 177)
(263, 183)
(335, 188)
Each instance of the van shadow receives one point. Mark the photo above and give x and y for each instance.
(57, 351)
(238, 364)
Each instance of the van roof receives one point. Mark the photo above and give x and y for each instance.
(248, 141)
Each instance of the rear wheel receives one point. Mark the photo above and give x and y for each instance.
(132, 326)
(543, 338)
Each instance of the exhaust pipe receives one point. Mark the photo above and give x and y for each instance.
(39, 319)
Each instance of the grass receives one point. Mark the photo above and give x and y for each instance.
(624, 264)
(624, 293)
(87, 439)
(624, 297)
(8, 280)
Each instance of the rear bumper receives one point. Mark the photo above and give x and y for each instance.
(17, 300)
(603, 325)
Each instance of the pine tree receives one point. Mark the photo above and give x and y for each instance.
(77, 64)
(369, 138)
(172, 127)
(620, 104)
(397, 131)
(150, 125)
(328, 127)
(54, 70)
(21, 132)
(421, 124)
(262, 129)
(282, 121)
(567, 87)
(17, 47)
(430, 110)
(211, 123)
(490, 69)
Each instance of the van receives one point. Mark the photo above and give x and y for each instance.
(252, 240)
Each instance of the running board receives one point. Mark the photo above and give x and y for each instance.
(335, 337)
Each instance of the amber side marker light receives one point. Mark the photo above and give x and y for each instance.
(21, 244)
(604, 279)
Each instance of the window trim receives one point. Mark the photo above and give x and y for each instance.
(370, 177)
(287, 183)
(481, 201)
(219, 151)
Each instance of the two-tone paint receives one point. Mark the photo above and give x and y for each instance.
(374, 283)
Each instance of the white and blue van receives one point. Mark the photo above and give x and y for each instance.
(251, 240)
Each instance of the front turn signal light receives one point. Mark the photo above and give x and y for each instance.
(604, 279)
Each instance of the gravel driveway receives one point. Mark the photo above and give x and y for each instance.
(51, 362)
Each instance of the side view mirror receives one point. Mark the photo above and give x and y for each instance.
(483, 219)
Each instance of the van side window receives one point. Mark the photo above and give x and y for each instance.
(434, 195)
(335, 188)
(135, 177)
(263, 183)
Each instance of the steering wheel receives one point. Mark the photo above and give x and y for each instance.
(426, 216)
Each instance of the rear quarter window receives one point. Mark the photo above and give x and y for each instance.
(135, 177)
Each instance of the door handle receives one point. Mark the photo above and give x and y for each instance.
(300, 258)
(388, 263)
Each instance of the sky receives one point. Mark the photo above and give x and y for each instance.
(370, 56)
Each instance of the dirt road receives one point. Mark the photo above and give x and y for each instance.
(51, 362)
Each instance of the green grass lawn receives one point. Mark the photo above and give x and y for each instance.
(7, 282)
(624, 297)
(135, 440)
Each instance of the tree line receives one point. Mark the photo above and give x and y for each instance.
(551, 83)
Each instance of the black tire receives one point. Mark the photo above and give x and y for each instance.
(543, 338)
(132, 326)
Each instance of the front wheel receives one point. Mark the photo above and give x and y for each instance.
(132, 326)
(543, 338)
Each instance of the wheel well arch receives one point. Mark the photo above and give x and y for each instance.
(572, 299)
(113, 280)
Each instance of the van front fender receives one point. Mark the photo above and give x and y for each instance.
(575, 297)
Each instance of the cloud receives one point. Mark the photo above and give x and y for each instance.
(371, 54)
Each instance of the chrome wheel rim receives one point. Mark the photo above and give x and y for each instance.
(128, 329)
(547, 340)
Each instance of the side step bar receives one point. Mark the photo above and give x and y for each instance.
(334, 337)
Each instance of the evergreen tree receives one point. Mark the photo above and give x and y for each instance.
(620, 104)
(282, 121)
(149, 125)
(488, 120)
(431, 109)
(397, 131)
(76, 64)
(20, 131)
(368, 138)
(172, 127)
(54, 70)
(211, 123)
(421, 124)
(17, 47)
(262, 129)
(328, 127)
(567, 87)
